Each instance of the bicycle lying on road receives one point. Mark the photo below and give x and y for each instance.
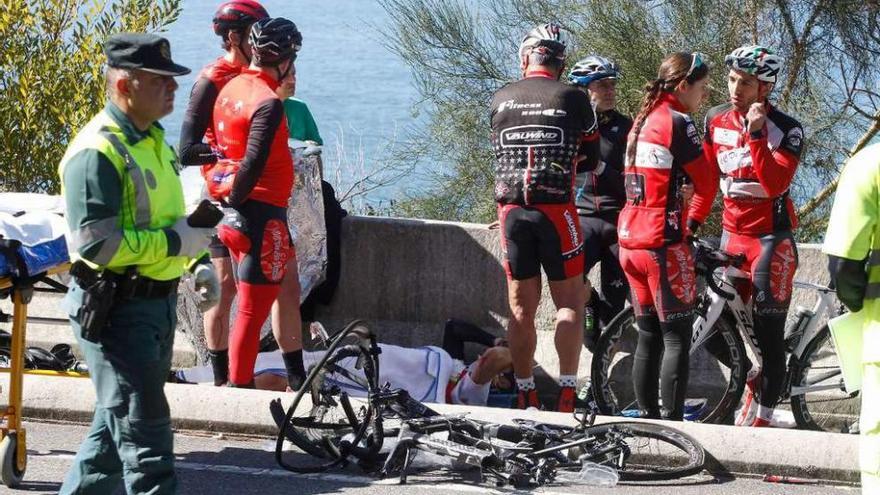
(724, 355)
(342, 415)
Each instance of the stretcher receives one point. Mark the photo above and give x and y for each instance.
(28, 264)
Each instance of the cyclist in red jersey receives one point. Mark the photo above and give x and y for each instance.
(251, 130)
(542, 130)
(663, 151)
(756, 150)
(232, 21)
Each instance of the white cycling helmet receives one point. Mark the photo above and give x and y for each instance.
(756, 60)
(592, 69)
(549, 38)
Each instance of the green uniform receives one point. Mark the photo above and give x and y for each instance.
(300, 121)
(123, 194)
(854, 234)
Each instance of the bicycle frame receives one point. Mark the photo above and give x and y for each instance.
(824, 304)
(714, 303)
(710, 309)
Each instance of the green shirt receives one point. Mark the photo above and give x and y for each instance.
(300, 121)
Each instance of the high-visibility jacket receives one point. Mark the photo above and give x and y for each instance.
(854, 233)
(123, 193)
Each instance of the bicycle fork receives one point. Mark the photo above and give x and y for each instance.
(710, 311)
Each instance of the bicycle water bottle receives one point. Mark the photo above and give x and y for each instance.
(590, 474)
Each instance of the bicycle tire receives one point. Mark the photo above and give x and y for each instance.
(313, 432)
(721, 366)
(832, 410)
(652, 452)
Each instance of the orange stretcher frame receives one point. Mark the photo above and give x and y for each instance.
(13, 444)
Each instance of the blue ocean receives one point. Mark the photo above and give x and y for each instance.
(361, 94)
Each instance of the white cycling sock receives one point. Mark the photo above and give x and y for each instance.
(765, 413)
(525, 384)
(568, 381)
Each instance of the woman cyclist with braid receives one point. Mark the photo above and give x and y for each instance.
(663, 151)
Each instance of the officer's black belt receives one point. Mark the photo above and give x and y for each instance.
(146, 288)
(129, 285)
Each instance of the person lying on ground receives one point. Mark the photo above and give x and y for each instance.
(429, 373)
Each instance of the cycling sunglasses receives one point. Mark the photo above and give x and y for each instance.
(697, 60)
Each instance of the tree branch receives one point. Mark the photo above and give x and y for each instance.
(828, 190)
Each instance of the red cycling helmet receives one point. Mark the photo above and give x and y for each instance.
(237, 15)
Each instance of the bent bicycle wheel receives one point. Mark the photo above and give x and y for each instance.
(329, 417)
(819, 400)
(641, 451)
(718, 370)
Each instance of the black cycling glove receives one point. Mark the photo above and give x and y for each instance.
(850, 279)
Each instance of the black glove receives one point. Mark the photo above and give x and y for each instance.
(693, 225)
(850, 279)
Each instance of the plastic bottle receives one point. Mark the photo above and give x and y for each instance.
(590, 474)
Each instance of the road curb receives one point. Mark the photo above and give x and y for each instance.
(756, 451)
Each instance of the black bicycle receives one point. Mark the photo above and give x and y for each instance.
(342, 415)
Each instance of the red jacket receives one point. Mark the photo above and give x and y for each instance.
(218, 72)
(668, 153)
(263, 152)
(755, 170)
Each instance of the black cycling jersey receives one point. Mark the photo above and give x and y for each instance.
(602, 191)
(539, 127)
(196, 121)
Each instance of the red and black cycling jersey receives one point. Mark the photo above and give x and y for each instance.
(601, 191)
(250, 128)
(198, 121)
(755, 170)
(668, 153)
(540, 126)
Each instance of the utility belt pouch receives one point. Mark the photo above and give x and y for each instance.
(97, 304)
(99, 294)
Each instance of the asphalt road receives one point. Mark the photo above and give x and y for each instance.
(211, 465)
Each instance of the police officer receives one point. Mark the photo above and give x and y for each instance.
(852, 244)
(130, 243)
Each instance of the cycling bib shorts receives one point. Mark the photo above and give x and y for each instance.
(662, 280)
(547, 235)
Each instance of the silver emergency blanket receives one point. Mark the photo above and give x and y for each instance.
(305, 215)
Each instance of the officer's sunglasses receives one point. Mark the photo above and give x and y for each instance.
(697, 60)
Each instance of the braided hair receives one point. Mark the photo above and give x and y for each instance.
(673, 70)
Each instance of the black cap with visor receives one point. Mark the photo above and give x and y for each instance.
(142, 51)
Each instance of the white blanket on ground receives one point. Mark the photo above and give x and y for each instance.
(424, 372)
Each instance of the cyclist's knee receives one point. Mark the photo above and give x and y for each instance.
(522, 314)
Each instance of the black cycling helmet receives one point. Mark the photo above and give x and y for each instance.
(274, 40)
(237, 15)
